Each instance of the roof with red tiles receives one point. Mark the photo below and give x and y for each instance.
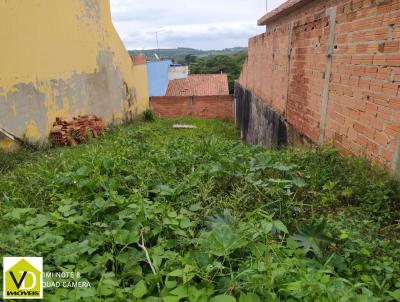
(138, 59)
(199, 85)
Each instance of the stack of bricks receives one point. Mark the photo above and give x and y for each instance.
(71, 132)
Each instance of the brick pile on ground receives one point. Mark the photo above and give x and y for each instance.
(71, 132)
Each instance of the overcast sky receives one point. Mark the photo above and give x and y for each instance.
(205, 24)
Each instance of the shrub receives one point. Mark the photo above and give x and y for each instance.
(148, 116)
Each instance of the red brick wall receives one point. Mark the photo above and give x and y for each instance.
(363, 115)
(198, 106)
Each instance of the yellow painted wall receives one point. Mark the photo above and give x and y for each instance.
(64, 58)
(7, 144)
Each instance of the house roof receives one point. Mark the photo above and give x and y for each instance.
(138, 59)
(199, 85)
(282, 10)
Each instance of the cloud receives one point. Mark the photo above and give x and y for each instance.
(206, 24)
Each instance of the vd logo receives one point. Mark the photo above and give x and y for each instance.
(22, 278)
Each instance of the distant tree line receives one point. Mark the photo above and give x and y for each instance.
(180, 53)
(230, 64)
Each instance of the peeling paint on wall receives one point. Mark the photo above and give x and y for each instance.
(76, 64)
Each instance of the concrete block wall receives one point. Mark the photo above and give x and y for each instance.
(332, 70)
(198, 106)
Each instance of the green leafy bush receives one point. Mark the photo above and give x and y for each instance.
(148, 213)
(148, 116)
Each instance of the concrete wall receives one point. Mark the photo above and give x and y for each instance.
(331, 69)
(199, 106)
(178, 72)
(64, 58)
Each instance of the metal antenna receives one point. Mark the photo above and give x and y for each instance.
(158, 48)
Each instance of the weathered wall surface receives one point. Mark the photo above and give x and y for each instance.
(178, 72)
(332, 70)
(258, 123)
(199, 106)
(64, 58)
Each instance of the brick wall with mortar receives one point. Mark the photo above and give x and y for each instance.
(332, 69)
(198, 106)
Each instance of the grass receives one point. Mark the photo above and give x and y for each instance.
(219, 220)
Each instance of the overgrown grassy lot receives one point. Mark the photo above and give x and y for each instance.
(148, 213)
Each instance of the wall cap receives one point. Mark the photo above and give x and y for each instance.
(282, 10)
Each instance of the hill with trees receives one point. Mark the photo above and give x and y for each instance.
(180, 53)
